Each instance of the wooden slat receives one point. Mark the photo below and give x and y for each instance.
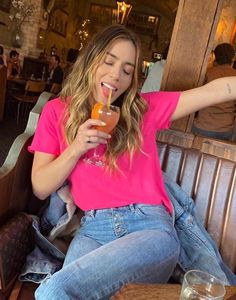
(203, 188)
(173, 161)
(228, 242)
(219, 201)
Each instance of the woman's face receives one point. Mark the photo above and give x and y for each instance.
(115, 71)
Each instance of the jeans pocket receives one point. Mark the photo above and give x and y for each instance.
(151, 210)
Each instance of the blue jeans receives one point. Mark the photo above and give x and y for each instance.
(224, 135)
(134, 243)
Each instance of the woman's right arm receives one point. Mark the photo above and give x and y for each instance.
(50, 172)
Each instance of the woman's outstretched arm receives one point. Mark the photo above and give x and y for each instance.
(214, 92)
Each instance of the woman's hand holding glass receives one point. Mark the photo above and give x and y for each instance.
(88, 137)
(109, 114)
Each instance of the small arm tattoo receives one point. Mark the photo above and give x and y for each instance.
(228, 88)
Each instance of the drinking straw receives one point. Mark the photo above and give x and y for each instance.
(109, 99)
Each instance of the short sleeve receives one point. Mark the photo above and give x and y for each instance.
(161, 106)
(47, 137)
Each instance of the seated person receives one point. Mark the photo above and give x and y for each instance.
(3, 59)
(71, 58)
(13, 64)
(127, 233)
(218, 121)
(55, 71)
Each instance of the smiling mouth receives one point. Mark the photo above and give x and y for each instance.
(114, 89)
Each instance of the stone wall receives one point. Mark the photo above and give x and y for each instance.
(76, 8)
(29, 30)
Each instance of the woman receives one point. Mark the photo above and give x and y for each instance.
(127, 233)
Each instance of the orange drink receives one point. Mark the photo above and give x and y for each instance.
(109, 115)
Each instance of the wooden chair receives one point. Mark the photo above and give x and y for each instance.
(3, 82)
(56, 88)
(32, 90)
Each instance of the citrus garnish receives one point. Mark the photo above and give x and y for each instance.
(95, 111)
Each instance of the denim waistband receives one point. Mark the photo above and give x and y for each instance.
(130, 207)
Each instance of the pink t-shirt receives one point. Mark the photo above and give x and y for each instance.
(94, 188)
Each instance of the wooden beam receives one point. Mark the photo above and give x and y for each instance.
(191, 43)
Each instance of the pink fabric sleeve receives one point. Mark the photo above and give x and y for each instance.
(161, 106)
(46, 138)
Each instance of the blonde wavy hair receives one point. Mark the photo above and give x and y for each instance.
(126, 137)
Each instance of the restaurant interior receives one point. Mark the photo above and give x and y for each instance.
(39, 43)
(63, 27)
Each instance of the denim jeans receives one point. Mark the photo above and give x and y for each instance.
(224, 135)
(134, 243)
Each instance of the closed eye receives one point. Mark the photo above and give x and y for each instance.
(126, 72)
(108, 63)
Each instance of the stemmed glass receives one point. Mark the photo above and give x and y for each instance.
(110, 115)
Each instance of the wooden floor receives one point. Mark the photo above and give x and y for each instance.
(9, 130)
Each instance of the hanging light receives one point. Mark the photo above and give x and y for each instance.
(123, 11)
(82, 31)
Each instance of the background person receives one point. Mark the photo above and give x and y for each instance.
(55, 71)
(127, 232)
(153, 80)
(70, 60)
(13, 64)
(217, 121)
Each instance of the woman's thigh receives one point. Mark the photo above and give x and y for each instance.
(80, 246)
(148, 255)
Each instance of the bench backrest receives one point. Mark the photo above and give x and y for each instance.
(210, 181)
(220, 148)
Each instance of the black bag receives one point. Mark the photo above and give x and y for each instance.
(15, 244)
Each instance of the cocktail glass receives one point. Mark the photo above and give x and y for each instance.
(109, 115)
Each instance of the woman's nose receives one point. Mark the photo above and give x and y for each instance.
(115, 73)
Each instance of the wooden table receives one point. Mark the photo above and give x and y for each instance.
(159, 292)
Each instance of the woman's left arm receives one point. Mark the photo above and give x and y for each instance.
(214, 92)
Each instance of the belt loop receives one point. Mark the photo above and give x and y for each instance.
(132, 207)
(92, 212)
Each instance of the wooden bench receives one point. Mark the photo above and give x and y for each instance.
(208, 179)
(223, 149)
